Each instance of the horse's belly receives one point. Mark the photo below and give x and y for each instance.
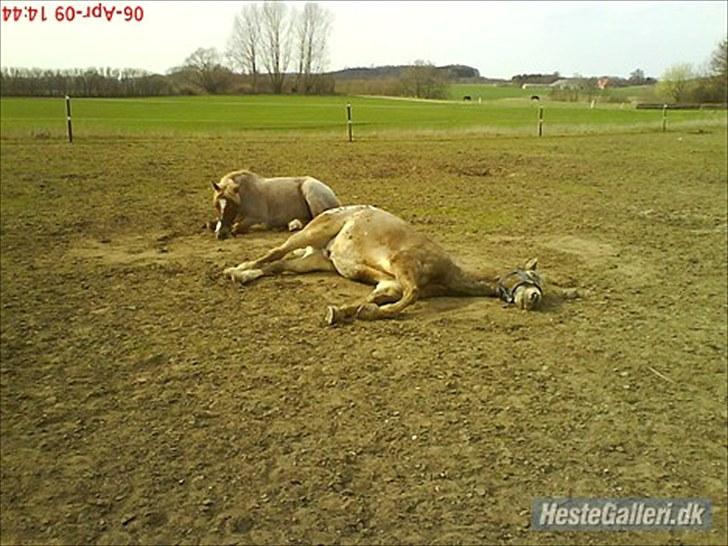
(282, 214)
(350, 262)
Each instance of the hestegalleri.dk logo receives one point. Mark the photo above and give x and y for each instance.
(602, 514)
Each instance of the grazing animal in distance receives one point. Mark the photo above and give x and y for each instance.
(366, 244)
(243, 199)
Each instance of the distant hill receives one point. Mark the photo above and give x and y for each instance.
(389, 72)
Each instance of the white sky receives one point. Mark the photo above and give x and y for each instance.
(500, 39)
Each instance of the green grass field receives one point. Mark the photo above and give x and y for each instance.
(492, 92)
(373, 117)
(485, 92)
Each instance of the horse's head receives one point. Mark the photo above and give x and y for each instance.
(226, 201)
(522, 286)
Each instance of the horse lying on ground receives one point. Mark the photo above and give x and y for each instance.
(243, 199)
(366, 244)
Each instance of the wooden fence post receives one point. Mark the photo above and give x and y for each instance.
(348, 122)
(69, 127)
(664, 118)
(540, 121)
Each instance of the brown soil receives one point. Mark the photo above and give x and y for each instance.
(145, 399)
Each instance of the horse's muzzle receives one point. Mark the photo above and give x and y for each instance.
(528, 297)
(221, 232)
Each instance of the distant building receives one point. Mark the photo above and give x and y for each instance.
(567, 83)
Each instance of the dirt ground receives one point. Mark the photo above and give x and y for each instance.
(145, 399)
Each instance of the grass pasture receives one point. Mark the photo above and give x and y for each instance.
(144, 399)
(373, 117)
(494, 92)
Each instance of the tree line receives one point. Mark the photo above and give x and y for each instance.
(682, 83)
(83, 82)
(272, 48)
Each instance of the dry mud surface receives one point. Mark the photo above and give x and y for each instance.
(145, 399)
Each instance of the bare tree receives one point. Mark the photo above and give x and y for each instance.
(312, 29)
(275, 42)
(244, 46)
(719, 60)
(637, 77)
(204, 69)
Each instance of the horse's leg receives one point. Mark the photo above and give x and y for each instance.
(243, 226)
(317, 234)
(386, 291)
(404, 268)
(302, 261)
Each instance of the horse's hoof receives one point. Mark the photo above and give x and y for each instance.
(229, 273)
(247, 275)
(295, 225)
(331, 317)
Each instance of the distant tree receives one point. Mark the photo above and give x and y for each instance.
(637, 77)
(203, 68)
(719, 70)
(675, 82)
(275, 42)
(311, 32)
(424, 80)
(719, 60)
(243, 50)
(541, 79)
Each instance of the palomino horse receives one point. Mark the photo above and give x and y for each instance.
(367, 244)
(243, 199)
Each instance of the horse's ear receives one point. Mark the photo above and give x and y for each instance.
(215, 186)
(532, 264)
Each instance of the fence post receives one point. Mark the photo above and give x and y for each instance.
(69, 127)
(540, 121)
(664, 118)
(348, 121)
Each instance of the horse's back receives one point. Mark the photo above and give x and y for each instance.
(318, 196)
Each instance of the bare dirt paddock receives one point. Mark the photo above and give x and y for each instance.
(147, 400)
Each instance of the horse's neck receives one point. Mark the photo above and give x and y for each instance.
(249, 182)
(252, 200)
(470, 283)
(251, 189)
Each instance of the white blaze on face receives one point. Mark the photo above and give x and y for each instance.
(222, 203)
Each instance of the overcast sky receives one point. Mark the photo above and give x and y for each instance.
(498, 38)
